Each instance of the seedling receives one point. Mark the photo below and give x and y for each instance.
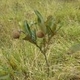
(41, 36)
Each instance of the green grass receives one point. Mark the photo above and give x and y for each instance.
(21, 60)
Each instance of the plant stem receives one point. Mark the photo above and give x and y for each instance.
(44, 53)
(46, 64)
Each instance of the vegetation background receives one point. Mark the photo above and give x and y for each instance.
(21, 60)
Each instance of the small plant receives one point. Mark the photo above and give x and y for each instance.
(41, 34)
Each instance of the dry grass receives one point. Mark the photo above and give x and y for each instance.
(20, 60)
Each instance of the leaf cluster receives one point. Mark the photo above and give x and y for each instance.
(46, 29)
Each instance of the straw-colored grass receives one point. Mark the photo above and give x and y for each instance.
(21, 60)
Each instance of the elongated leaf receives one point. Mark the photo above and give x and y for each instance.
(56, 27)
(40, 20)
(50, 21)
(49, 24)
(27, 28)
(34, 36)
(49, 31)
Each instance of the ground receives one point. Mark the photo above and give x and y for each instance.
(21, 60)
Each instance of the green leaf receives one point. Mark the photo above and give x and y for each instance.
(40, 20)
(49, 24)
(34, 36)
(27, 28)
(56, 27)
(50, 21)
(49, 31)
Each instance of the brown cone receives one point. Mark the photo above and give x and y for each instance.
(40, 34)
(16, 34)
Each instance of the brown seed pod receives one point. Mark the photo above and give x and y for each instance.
(16, 34)
(40, 34)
